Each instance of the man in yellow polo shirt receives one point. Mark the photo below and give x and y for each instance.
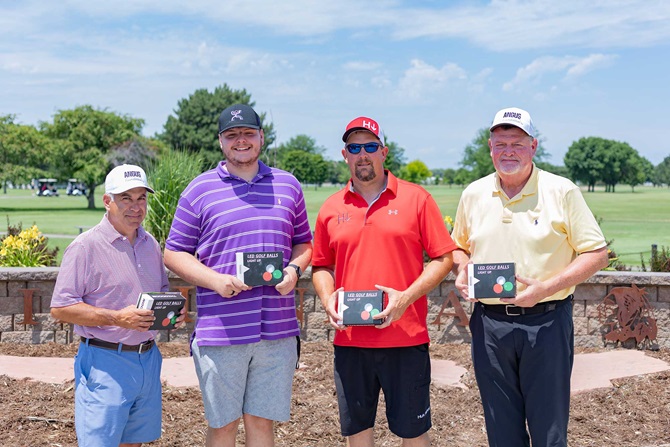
(523, 347)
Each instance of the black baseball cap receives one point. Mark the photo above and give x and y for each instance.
(238, 115)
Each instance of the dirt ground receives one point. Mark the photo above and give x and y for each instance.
(635, 412)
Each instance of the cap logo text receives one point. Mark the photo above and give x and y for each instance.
(129, 174)
(236, 115)
(512, 115)
(370, 125)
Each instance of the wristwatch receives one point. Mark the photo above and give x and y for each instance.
(297, 268)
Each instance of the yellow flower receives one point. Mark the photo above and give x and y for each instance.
(448, 220)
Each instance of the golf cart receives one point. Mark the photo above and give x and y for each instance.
(46, 187)
(75, 188)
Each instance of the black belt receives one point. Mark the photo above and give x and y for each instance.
(514, 311)
(143, 347)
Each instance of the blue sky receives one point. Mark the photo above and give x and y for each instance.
(432, 73)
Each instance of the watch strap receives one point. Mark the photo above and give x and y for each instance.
(297, 268)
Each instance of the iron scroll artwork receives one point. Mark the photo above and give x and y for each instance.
(625, 314)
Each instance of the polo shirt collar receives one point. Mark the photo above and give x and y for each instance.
(110, 234)
(224, 174)
(529, 189)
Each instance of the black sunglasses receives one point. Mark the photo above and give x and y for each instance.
(370, 148)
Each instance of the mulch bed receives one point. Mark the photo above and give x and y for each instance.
(633, 412)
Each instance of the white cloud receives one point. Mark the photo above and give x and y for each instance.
(572, 66)
(422, 78)
(514, 25)
(361, 66)
(590, 63)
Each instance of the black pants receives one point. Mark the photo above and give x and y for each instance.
(523, 366)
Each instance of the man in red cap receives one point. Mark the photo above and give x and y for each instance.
(372, 235)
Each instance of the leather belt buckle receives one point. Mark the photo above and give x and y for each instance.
(514, 308)
(144, 346)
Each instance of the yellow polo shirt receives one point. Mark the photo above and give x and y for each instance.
(541, 229)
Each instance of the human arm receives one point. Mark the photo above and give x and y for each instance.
(82, 314)
(323, 279)
(578, 271)
(399, 300)
(301, 255)
(188, 268)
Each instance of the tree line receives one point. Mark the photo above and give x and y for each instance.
(86, 142)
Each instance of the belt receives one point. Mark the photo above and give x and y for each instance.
(514, 311)
(142, 347)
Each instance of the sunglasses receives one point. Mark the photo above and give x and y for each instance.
(370, 148)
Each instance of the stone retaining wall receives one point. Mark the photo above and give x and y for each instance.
(16, 327)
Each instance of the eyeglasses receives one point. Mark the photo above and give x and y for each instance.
(370, 148)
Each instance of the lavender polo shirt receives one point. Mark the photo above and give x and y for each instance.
(220, 214)
(101, 268)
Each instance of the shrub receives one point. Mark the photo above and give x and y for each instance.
(26, 248)
(168, 176)
(659, 261)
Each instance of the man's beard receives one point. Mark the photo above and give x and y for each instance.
(363, 177)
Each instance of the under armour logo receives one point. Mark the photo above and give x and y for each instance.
(279, 201)
(236, 114)
(393, 212)
(343, 217)
(535, 221)
(370, 125)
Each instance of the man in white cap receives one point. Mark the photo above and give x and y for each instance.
(103, 271)
(523, 347)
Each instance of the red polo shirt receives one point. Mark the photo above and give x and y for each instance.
(381, 244)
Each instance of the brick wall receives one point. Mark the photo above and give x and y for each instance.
(445, 329)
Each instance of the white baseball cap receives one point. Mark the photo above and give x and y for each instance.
(514, 116)
(125, 177)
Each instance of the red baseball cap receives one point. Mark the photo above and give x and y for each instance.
(364, 123)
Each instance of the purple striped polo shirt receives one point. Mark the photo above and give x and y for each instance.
(101, 268)
(220, 214)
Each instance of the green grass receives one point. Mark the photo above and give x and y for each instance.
(634, 221)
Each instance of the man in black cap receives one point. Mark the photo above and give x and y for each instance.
(245, 339)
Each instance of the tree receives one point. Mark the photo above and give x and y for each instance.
(449, 177)
(338, 172)
(139, 151)
(277, 156)
(84, 136)
(554, 169)
(307, 167)
(194, 127)
(637, 170)
(616, 158)
(395, 159)
(463, 177)
(477, 154)
(583, 162)
(415, 171)
(24, 150)
(662, 172)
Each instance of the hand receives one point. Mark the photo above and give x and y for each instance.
(533, 293)
(398, 302)
(131, 317)
(180, 319)
(329, 307)
(289, 281)
(461, 284)
(228, 286)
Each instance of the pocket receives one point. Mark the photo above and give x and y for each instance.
(421, 401)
